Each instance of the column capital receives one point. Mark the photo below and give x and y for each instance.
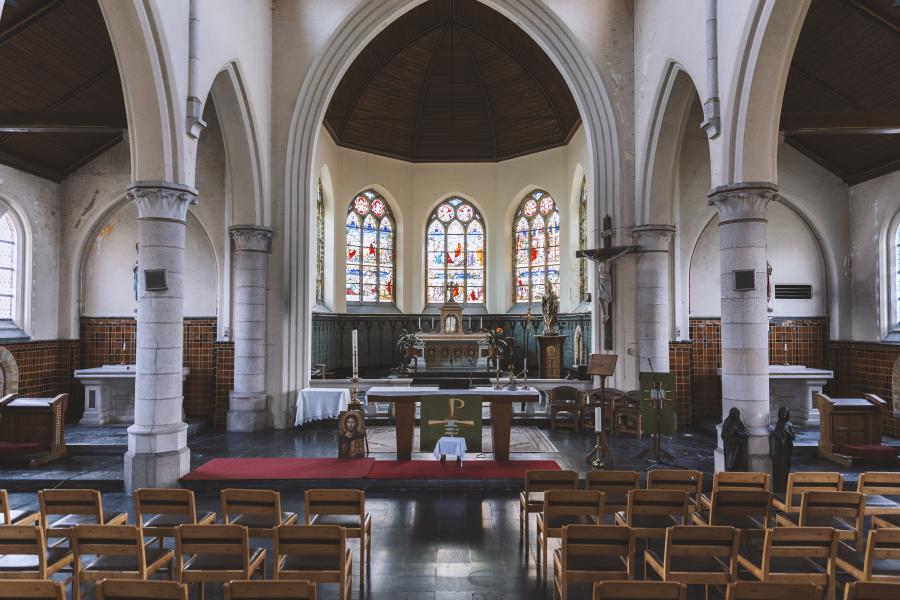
(653, 238)
(251, 238)
(161, 199)
(742, 201)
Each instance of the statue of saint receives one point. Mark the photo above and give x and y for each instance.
(735, 437)
(550, 311)
(770, 298)
(782, 448)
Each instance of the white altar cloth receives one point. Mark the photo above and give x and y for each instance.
(450, 446)
(315, 404)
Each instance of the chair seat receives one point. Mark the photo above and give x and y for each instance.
(348, 521)
(10, 563)
(109, 562)
(889, 520)
(826, 521)
(73, 520)
(650, 521)
(692, 564)
(216, 562)
(558, 521)
(175, 520)
(601, 564)
(752, 553)
(856, 560)
(17, 515)
(261, 521)
(737, 521)
(296, 562)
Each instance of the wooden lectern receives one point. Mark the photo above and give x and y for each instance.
(602, 366)
(33, 427)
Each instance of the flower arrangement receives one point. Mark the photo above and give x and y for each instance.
(496, 341)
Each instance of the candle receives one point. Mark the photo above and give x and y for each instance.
(432, 324)
(355, 355)
(480, 322)
(598, 419)
(420, 323)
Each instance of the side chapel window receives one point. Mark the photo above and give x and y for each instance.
(370, 250)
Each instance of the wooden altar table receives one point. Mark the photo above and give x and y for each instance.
(404, 400)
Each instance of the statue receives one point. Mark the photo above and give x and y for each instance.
(134, 270)
(781, 448)
(604, 283)
(550, 311)
(770, 299)
(578, 345)
(735, 437)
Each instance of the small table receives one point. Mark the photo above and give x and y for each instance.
(315, 404)
(453, 446)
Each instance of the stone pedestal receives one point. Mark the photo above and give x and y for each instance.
(157, 442)
(248, 403)
(653, 296)
(109, 394)
(745, 327)
(795, 387)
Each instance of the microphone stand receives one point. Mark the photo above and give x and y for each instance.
(657, 394)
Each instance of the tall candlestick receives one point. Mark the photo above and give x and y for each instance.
(480, 322)
(598, 419)
(355, 355)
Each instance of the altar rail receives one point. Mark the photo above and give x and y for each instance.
(378, 335)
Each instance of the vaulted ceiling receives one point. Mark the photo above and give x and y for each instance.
(62, 101)
(842, 97)
(452, 81)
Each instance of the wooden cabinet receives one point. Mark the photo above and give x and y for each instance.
(550, 356)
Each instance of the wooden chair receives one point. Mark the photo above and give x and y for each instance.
(315, 553)
(123, 589)
(62, 509)
(880, 562)
(347, 509)
(627, 416)
(591, 553)
(864, 590)
(752, 590)
(33, 589)
(564, 401)
(690, 482)
(638, 590)
(743, 509)
(889, 521)
(605, 398)
(650, 513)
(794, 555)
(800, 482)
(117, 552)
(277, 590)
(877, 486)
(844, 511)
(615, 486)
(257, 510)
(538, 481)
(736, 480)
(166, 509)
(16, 516)
(566, 507)
(696, 555)
(26, 555)
(216, 553)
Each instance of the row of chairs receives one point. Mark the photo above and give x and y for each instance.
(121, 589)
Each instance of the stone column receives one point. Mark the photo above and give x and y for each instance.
(745, 325)
(654, 309)
(157, 442)
(248, 406)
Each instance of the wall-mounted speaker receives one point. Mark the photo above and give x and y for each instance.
(155, 280)
(744, 281)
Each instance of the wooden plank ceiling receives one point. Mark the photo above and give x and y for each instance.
(452, 81)
(842, 97)
(62, 101)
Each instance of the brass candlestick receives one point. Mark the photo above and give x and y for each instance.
(354, 404)
(599, 456)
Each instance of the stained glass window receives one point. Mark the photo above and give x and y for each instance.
(536, 247)
(370, 249)
(582, 242)
(8, 263)
(455, 253)
(320, 245)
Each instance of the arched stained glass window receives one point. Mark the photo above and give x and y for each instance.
(455, 253)
(536, 247)
(8, 263)
(370, 249)
(582, 242)
(320, 245)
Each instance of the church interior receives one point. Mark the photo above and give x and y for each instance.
(446, 299)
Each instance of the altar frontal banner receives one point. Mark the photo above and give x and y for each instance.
(453, 416)
(658, 386)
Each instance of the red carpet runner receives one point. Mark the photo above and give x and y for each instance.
(472, 469)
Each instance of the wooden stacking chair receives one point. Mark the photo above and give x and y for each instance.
(276, 590)
(889, 521)
(736, 480)
(879, 562)
(24, 554)
(744, 509)
(639, 590)
(865, 590)
(258, 510)
(33, 589)
(216, 553)
(116, 552)
(607, 399)
(844, 511)
(615, 485)
(564, 401)
(123, 589)
(878, 488)
(800, 482)
(753, 590)
(159, 511)
(16, 516)
(794, 555)
(591, 553)
(650, 513)
(538, 481)
(62, 509)
(347, 509)
(689, 482)
(696, 556)
(315, 553)
(566, 507)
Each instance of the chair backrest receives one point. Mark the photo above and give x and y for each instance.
(259, 503)
(257, 590)
(564, 394)
(727, 503)
(639, 590)
(334, 502)
(540, 480)
(798, 542)
(883, 544)
(656, 503)
(36, 589)
(127, 589)
(325, 541)
(213, 540)
(690, 482)
(800, 482)
(573, 503)
(597, 540)
(113, 540)
(866, 590)
(879, 482)
(845, 505)
(70, 502)
(738, 480)
(25, 540)
(708, 542)
(609, 396)
(4, 507)
(754, 590)
(162, 501)
(615, 485)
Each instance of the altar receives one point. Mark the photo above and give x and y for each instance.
(450, 348)
(109, 394)
(795, 386)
